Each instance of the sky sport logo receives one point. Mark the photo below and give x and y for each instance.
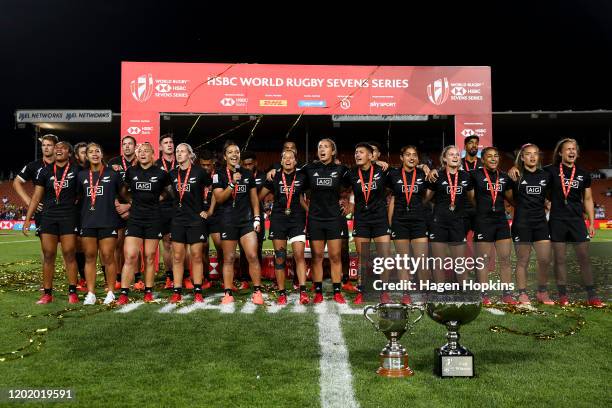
(437, 92)
(143, 186)
(142, 88)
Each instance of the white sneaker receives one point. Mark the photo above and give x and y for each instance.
(90, 299)
(110, 297)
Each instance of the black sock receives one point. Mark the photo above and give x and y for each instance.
(302, 288)
(359, 288)
(80, 260)
(484, 294)
(197, 288)
(542, 288)
(118, 277)
(138, 276)
(337, 287)
(178, 290)
(148, 289)
(104, 270)
(125, 291)
(71, 288)
(228, 292)
(562, 289)
(345, 278)
(282, 292)
(318, 287)
(256, 288)
(169, 274)
(590, 290)
(49, 291)
(522, 291)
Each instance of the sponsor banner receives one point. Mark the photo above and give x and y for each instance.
(143, 126)
(470, 125)
(72, 116)
(308, 89)
(380, 118)
(15, 225)
(603, 224)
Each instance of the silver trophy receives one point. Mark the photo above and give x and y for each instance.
(453, 310)
(393, 320)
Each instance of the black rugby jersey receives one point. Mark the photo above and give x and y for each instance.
(65, 207)
(574, 209)
(324, 183)
(530, 191)
(482, 192)
(146, 186)
(277, 188)
(396, 183)
(235, 210)
(377, 204)
(104, 215)
(442, 194)
(188, 212)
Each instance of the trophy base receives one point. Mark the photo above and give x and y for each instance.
(450, 366)
(394, 366)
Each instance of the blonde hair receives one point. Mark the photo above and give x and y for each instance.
(518, 161)
(192, 155)
(443, 155)
(559, 146)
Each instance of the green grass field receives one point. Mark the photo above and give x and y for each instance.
(162, 356)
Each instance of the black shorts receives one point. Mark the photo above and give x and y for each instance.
(37, 221)
(487, 230)
(165, 222)
(284, 230)
(214, 225)
(408, 229)
(99, 233)
(371, 228)
(235, 232)
(151, 231)
(469, 221)
(448, 231)
(188, 234)
(568, 231)
(62, 226)
(530, 233)
(318, 230)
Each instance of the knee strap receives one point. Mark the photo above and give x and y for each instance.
(282, 256)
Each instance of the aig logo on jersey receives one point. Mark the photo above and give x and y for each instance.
(99, 191)
(187, 187)
(324, 181)
(241, 188)
(143, 186)
(56, 183)
(533, 189)
(496, 187)
(458, 190)
(575, 183)
(365, 186)
(415, 188)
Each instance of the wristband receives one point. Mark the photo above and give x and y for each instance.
(231, 185)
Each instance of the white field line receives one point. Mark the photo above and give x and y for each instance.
(130, 307)
(336, 380)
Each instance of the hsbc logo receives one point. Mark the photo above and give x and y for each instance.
(533, 189)
(467, 132)
(99, 191)
(143, 186)
(134, 130)
(142, 88)
(163, 88)
(228, 101)
(458, 91)
(324, 181)
(458, 190)
(437, 91)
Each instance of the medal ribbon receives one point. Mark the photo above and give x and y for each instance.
(562, 176)
(494, 191)
(181, 188)
(453, 186)
(408, 195)
(288, 192)
(94, 189)
(366, 195)
(58, 187)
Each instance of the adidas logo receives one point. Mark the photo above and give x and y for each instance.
(444, 183)
(135, 178)
(399, 182)
(524, 182)
(342, 233)
(316, 174)
(224, 235)
(159, 235)
(114, 232)
(201, 236)
(480, 236)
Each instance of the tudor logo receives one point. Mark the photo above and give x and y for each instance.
(134, 130)
(228, 101)
(142, 87)
(467, 132)
(163, 88)
(437, 92)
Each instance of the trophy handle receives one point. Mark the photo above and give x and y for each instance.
(409, 324)
(365, 314)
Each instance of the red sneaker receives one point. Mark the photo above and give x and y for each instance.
(148, 297)
(244, 285)
(596, 302)
(406, 299)
(349, 287)
(175, 298)
(358, 299)
(187, 284)
(486, 301)
(82, 285)
(123, 299)
(73, 298)
(563, 300)
(140, 286)
(318, 298)
(117, 285)
(198, 298)
(509, 300)
(257, 298)
(282, 300)
(542, 297)
(227, 299)
(338, 298)
(206, 284)
(385, 298)
(44, 299)
(169, 283)
(524, 299)
(304, 299)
